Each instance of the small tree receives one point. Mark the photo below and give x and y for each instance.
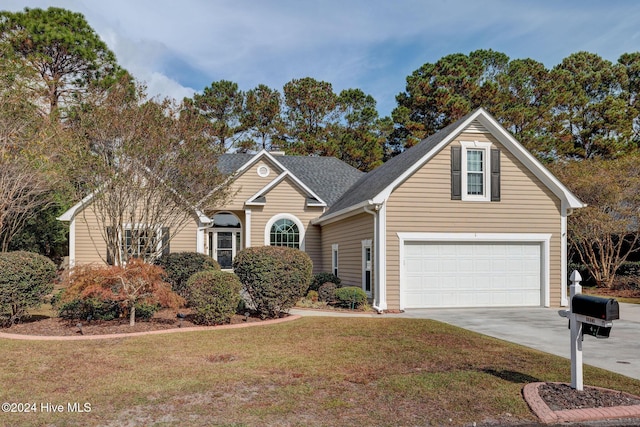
(607, 231)
(25, 279)
(274, 278)
(144, 163)
(138, 282)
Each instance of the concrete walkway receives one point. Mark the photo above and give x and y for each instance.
(539, 328)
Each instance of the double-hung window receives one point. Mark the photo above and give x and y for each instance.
(136, 241)
(475, 172)
(141, 242)
(334, 259)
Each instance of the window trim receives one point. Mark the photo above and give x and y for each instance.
(335, 256)
(122, 240)
(291, 217)
(486, 171)
(366, 245)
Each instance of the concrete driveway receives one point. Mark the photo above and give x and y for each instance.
(539, 328)
(543, 329)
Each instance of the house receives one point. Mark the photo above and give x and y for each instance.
(466, 218)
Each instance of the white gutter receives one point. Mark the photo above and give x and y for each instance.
(379, 300)
(564, 258)
(352, 210)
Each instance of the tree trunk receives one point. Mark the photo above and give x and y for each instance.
(132, 315)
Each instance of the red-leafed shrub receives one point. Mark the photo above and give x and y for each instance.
(137, 283)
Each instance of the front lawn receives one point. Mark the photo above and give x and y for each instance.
(312, 371)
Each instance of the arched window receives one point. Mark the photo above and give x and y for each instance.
(284, 232)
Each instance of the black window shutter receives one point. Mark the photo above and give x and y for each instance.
(109, 239)
(495, 175)
(456, 173)
(165, 241)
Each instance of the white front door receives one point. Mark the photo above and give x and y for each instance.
(223, 246)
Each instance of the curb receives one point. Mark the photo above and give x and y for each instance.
(548, 416)
(139, 334)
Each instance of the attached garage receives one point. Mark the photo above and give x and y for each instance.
(462, 270)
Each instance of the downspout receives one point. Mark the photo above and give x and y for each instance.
(564, 301)
(376, 257)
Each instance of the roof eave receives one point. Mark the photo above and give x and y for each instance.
(343, 213)
(531, 162)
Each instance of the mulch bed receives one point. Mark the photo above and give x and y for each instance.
(163, 319)
(561, 396)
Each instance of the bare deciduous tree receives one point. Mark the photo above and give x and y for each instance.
(148, 169)
(607, 231)
(25, 156)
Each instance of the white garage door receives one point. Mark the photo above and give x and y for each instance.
(456, 274)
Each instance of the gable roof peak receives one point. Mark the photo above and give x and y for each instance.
(376, 186)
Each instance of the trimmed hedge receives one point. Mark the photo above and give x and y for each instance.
(180, 266)
(25, 279)
(320, 279)
(214, 296)
(273, 277)
(327, 292)
(350, 297)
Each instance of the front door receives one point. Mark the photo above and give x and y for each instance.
(223, 246)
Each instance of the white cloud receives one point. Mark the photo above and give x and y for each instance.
(179, 47)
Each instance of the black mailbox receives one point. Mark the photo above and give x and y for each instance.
(596, 307)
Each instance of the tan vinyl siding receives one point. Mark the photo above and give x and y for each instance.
(348, 234)
(249, 183)
(423, 204)
(186, 238)
(90, 247)
(288, 198)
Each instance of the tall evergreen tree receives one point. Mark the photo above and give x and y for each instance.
(62, 49)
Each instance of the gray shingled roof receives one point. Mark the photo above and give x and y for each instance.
(374, 182)
(328, 177)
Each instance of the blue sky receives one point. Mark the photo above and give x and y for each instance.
(180, 47)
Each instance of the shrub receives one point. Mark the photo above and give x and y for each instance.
(320, 279)
(313, 296)
(629, 268)
(327, 292)
(137, 283)
(350, 297)
(25, 279)
(273, 277)
(97, 309)
(179, 266)
(89, 309)
(214, 296)
(145, 311)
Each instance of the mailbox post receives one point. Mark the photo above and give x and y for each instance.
(586, 313)
(576, 334)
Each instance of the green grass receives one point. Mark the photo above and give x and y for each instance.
(312, 371)
(627, 300)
